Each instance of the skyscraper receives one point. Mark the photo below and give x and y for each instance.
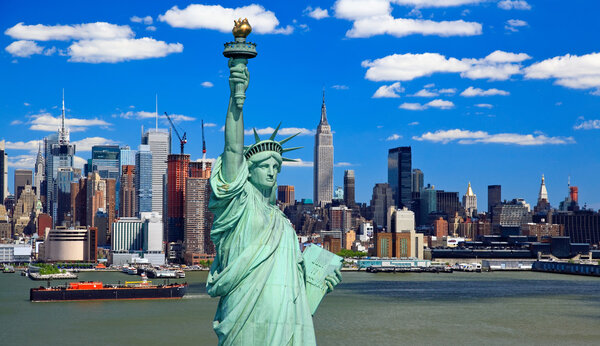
(159, 142)
(323, 161)
(542, 202)
(22, 177)
(400, 175)
(198, 219)
(178, 167)
(59, 154)
(3, 172)
(106, 161)
(127, 193)
(494, 197)
(470, 201)
(39, 179)
(418, 180)
(428, 204)
(143, 178)
(285, 194)
(62, 193)
(381, 201)
(349, 188)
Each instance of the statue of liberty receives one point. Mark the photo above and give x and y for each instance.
(258, 271)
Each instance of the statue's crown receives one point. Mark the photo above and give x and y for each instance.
(269, 145)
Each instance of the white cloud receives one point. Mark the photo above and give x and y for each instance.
(16, 122)
(343, 164)
(374, 17)
(412, 106)
(441, 104)
(437, 103)
(24, 48)
(389, 91)
(86, 144)
(21, 161)
(393, 137)
(146, 20)
(48, 123)
(210, 125)
(484, 105)
(583, 124)
(207, 84)
(474, 137)
(498, 65)
(448, 91)
(413, 123)
(151, 28)
(140, 115)
(26, 104)
(316, 13)
(117, 50)
(89, 31)
(216, 17)
(514, 4)
(571, 71)
(285, 131)
(31, 146)
(513, 24)
(79, 162)
(425, 93)
(472, 92)
(436, 3)
(298, 163)
(340, 87)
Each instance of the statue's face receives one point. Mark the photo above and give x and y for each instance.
(263, 174)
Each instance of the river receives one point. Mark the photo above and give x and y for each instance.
(366, 309)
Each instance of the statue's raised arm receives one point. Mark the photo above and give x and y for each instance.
(233, 153)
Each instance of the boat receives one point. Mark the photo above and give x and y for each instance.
(8, 269)
(180, 274)
(95, 290)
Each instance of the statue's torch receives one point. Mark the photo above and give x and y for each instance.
(239, 51)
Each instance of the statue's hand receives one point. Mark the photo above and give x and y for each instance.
(238, 75)
(333, 280)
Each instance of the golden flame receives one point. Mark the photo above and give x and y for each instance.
(241, 28)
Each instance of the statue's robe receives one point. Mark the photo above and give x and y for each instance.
(258, 270)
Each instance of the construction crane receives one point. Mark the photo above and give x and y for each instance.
(203, 142)
(182, 140)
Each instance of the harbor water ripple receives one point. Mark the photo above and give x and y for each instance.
(524, 308)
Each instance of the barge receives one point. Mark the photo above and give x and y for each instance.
(94, 290)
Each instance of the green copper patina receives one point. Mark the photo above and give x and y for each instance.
(259, 272)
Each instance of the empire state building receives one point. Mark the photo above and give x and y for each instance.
(323, 162)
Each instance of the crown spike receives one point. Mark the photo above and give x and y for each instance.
(256, 138)
(290, 149)
(290, 137)
(285, 159)
(275, 132)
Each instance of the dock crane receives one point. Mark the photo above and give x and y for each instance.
(182, 140)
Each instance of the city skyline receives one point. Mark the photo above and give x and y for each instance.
(492, 57)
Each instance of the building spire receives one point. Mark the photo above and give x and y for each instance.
(470, 190)
(156, 112)
(543, 192)
(63, 133)
(323, 110)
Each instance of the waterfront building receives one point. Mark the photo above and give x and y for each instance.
(285, 195)
(178, 167)
(143, 178)
(135, 238)
(542, 230)
(127, 193)
(400, 175)
(39, 180)
(470, 202)
(198, 219)
(3, 172)
(582, 226)
(381, 201)
(22, 177)
(349, 188)
(70, 244)
(418, 180)
(323, 161)
(159, 142)
(494, 196)
(15, 253)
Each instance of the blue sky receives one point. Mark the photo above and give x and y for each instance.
(492, 92)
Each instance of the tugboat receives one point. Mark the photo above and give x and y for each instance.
(94, 290)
